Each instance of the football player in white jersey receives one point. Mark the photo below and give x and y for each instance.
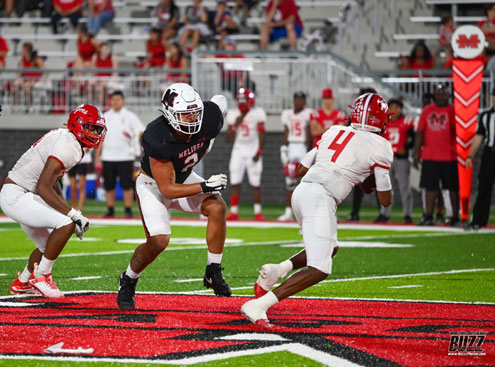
(247, 127)
(33, 197)
(346, 156)
(295, 144)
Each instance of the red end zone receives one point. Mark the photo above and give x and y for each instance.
(178, 327)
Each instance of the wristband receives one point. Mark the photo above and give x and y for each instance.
(72, 212)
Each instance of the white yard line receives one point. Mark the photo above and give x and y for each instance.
(188, 280)
(87, 278)
(406, 286)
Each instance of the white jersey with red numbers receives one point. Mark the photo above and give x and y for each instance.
(297, 123)
(60, 144)
(247, 133)
(345, 157)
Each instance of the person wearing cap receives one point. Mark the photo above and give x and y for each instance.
(295, 143)
(436, 135)
(485, 135)
(281, 21)
(325, 117)
(400, 133)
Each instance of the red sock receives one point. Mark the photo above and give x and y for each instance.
(234, 200)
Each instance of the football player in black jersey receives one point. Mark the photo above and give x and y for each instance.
(173, 144)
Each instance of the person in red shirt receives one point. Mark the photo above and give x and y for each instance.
(176, 60)
(71, 9)
(104, 59)
(400, 133)
(4, 49)
(488, 28)
(26, 80)
(101, 12)
(281, 21)
(420, 58)
(436, 134)
(155, 50)
(87, 46)
(322, 119)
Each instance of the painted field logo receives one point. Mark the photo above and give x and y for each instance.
(463, 343)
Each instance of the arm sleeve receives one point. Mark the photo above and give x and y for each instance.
(151, 148)
(261, 116)
(382, 157)
(68, 154)
(309, 158)
(382, 179)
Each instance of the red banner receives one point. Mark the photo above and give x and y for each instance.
(467, 85)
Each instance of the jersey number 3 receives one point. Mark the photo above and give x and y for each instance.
(339, 147)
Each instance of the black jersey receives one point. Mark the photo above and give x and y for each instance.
(160, 142)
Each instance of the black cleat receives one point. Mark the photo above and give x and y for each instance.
(353, 217)
(127, 289)
(213, 279)
(472, 227)
(408, 219)
(426, 220)
(381, 219)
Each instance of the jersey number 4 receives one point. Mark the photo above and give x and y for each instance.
(339, 147)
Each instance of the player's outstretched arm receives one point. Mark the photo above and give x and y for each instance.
(164, 174)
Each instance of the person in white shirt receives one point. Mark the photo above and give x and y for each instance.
(117, 154)
(346, 156)
(295, 144)
(247, 127)
(32, 196)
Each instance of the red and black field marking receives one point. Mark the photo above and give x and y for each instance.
(172, 328)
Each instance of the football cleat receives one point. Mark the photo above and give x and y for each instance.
(259, 217)
(127, 290)
(18, 287)
(426, 220)
(381, 219)
(45, 285)
(286, 216)
(256, 315)
(233, 216)
(213, 279)
(269, 275)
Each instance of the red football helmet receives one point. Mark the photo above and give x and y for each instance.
(245, 100)
(369, 112)
(88, 125)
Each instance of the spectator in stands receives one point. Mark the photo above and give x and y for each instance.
(176, 60)
(400, 133)
(27, 80)
(420, 57)
(101, 12)
(155, 50)
(87, 46)
(488, 28)
(79, 171)
(436, 134)
(8, 6)
(325, 117)
(168, 19)
(233, 80)
(281, 21)
(121, 147)
(71, 9)
(246, 6)
(447, 29)
(224, 23)
(4, 50)
(104, 59)
(195, 25)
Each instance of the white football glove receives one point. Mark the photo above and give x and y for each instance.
(82, 223)
(214, 183)
(284, 154)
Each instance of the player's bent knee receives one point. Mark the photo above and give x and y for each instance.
(214, 206)
(158, 243)
(318, 274)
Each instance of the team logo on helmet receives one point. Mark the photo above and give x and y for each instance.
(183, 108)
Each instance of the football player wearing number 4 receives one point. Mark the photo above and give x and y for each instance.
(32, 196)
(345, 157)
(247, 127)
(173, 144)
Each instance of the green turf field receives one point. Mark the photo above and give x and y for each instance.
(371, 264)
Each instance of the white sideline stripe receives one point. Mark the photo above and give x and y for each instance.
(192, 293)
(274, 224)
(87, 278)
(2, 274)
(406, 286)
(188, 280)
(295, 348)
(257, 336)
(381, 277)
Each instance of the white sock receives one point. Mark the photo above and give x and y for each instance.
(257, 208)
(234, 209)
(214, 258)
(288, 210)
(285, 267)
(267, 301)
(131, 273)
(44, 267)
(24, 276)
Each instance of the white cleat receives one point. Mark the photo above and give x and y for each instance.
(268, 277)
(286, 216)
(45, 285)
(256, 314)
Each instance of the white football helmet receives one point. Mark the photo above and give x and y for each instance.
(183, 108)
